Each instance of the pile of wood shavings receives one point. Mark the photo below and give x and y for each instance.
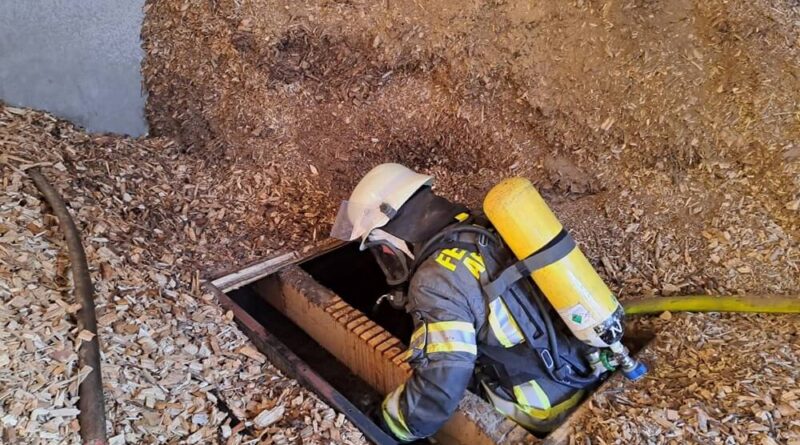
(152, 216)
(714, 378)
(663, 134)
(175, 367)
(37, 399)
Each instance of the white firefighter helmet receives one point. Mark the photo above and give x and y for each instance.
(376, 199)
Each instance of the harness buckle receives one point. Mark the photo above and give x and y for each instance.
(546, 358)
(564, 373)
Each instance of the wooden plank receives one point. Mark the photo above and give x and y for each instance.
(253, 273)
(314, 308)
(242, 276)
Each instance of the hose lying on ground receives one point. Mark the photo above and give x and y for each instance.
(709, 303)
(92, 418)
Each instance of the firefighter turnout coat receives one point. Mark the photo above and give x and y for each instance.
(463, 340)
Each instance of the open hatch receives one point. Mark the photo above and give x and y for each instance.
(314, 314)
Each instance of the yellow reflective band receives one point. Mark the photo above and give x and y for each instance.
(445, 336)
(554, 411)
(417, 338)
(567, 404)
(529, 417)
(498, 330)
(451, 336)
(451, 326)
(453, 346)
(396, 430)
(530, 394)
(503, 325)
(461, 217)
(440, 326)
(393, 415)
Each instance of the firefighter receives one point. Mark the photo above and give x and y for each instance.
(517, 355)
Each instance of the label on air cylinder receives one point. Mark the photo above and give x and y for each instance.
(577, 317)
(611, 329)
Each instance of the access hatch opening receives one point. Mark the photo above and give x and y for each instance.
(323, 308)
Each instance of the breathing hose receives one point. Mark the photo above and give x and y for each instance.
(773, 304)
(92, 417)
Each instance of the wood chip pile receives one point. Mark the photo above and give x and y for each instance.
(727, 379)
(664, 135)
(175, 368)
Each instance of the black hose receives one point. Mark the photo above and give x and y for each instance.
(92, 417)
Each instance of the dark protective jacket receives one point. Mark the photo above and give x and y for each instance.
(460, 334)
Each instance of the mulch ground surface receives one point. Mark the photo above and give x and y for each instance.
(663, 134)
(176, 369)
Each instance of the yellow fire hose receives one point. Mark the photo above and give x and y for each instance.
(775, 304)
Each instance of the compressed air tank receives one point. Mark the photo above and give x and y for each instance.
(571, 285)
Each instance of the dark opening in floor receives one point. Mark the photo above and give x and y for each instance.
(315, 356)
(356, 278)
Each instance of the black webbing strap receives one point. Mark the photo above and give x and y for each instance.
(521, 269)
(448, 238)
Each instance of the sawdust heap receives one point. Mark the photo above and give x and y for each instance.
(174, 366)
(664, 135)
(729, 378)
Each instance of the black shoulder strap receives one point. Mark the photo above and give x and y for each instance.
(448, 238)
(555, 250)
(562, 246)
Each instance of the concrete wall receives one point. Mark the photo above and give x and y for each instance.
(78, 59)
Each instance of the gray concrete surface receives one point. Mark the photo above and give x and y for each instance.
(78, 59)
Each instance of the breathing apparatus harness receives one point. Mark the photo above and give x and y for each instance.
(533, 307)
(427, 220)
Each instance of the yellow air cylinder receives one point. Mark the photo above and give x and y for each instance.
(572, 286)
